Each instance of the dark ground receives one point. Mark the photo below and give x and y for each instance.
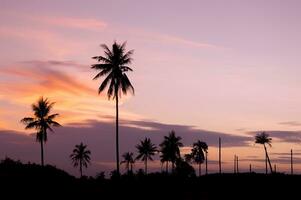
(31, 181)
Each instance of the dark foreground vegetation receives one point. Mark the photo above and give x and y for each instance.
(36, 182)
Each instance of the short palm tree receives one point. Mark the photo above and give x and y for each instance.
(170, 148)
(198, 152)
(263, 138)
(146, 149)
(80, 157)
(113, 66)
(42, 121)
(128, 160)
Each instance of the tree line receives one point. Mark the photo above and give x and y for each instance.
(112, 68)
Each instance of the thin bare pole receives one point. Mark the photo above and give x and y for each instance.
(234, 164)
(237, 169)
(292, 167)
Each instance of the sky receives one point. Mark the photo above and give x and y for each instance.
(205, 69)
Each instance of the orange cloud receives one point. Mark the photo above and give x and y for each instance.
(41, 79)
(69, 84)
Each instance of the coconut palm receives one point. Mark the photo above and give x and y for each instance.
(42, 121)
(128, 160)
(198, 152)
(80, 157)
(146, 149)
(263, 138)
(113, 67)
(170, 148)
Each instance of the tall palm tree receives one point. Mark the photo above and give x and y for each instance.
(113, 67)
(42, 121)
(263, 138)
(80, 157)
(198, 152)
(128, 160)
(170, 148)
(146, 149)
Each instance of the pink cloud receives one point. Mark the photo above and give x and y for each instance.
(72, 22)
(50, 42)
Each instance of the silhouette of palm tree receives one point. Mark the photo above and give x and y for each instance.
(80, 157)
(197, 154)
(128, 160)
(114, 66)
(164, 158)
(41, 121)
(146, 149)
(170, 148)
(263, 138)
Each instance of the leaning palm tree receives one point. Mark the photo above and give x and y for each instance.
(170, 148)
(146, 149)
(198, 152)
(263, 138)
(80, 157)
(128, 160)
(113, 66)
(42, 121)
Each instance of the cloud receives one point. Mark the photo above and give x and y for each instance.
(59, 20)
(42, 41)
(100, 138)
(58, 63)
(186, 42)
(283, 136)
(72, 22)
(40, 77)
(290, 123)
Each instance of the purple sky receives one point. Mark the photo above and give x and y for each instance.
(221, 66)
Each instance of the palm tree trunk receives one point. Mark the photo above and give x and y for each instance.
(167, 167)
(266, 164)
(117, 136)
(200, 169)
(267, 155)
(80, 168)
(42, 153)
(145, 163)
(130, 168)
(172, 167)
(206, 162)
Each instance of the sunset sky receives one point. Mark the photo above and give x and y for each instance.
(205, 68)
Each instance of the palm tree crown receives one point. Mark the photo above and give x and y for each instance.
(146, 150)
(80, 157)
(128, 160)
(170, 148)
(198, 152)
(41, 121)
(263, 138)
(113, 67)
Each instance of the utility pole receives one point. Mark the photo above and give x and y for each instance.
(237, 164)
(292, 167)
(220, 155)
(234, 164)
